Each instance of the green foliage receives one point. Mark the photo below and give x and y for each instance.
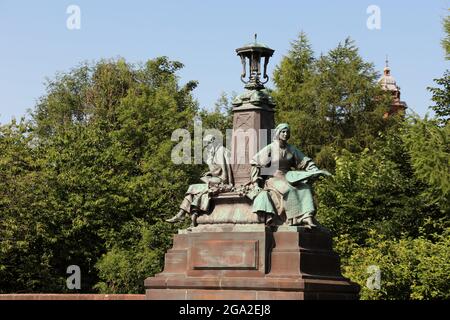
(446, 40)
(331, 102)
(94, 165)
(388, 207)
(428, 145)
(28, 222)
(441, 98)
(123, 269)
(220, 117)
(89, 181)
(387, 188)
(410, 268)
(441, 94)
(388, 201)
(291, 74)
(368, 190)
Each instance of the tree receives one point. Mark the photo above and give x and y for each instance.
(28, 223)
(220, 117)
(123, 269)
(102, 177)
(399, 187)
(441, 98)
(428, 146)
(371, 190)
(441, 95)
(331, 102)
(409, 268)
(388, 207)
(446, 40)
(291, 74)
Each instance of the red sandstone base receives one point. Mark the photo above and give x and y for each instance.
(289, 263)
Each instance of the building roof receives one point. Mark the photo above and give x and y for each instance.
(387, 81)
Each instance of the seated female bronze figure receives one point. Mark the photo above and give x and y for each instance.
(282, 176)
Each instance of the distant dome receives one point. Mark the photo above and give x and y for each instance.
(387, 81)
(389, 84)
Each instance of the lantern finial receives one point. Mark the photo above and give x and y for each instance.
(253, 53)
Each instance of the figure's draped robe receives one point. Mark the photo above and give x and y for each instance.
(286, 189)
(197, 197)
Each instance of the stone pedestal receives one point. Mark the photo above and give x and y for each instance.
(251, 262)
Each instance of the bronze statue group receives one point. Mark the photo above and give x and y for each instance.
(280, 185)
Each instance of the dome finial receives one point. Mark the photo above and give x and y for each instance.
(387, 70)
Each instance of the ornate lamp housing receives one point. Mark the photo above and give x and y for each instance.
(254, 52)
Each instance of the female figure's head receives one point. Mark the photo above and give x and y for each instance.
(282, 132)
(209, 142)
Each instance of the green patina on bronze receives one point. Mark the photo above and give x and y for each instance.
(285, 175)
(277, 183)
(254, 97)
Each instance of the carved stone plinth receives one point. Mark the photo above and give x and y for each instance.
(251, 262)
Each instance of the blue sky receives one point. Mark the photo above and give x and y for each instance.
(36, 42)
